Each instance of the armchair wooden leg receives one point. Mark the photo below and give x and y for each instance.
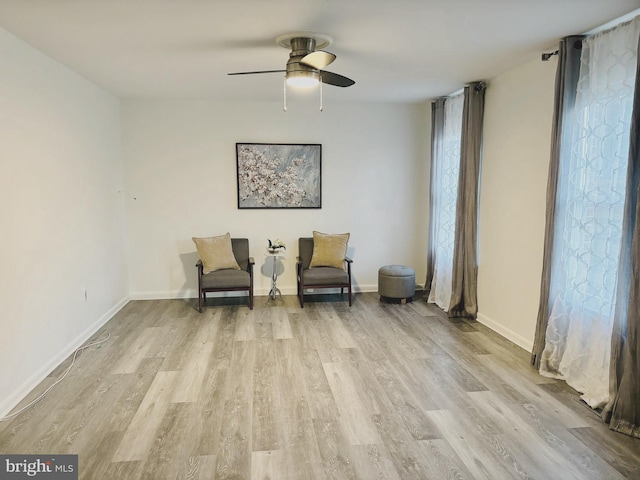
(300, 288)
(199, 300)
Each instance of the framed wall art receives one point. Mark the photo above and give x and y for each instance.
(279, 175)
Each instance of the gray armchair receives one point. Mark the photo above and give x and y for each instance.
(228, 280)
(320, 277)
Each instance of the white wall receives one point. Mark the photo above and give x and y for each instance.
(180, 167)
(62, 217)
(517, 139)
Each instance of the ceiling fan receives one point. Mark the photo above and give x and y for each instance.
(306, 63)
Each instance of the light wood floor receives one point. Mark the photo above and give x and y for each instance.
(376, 391)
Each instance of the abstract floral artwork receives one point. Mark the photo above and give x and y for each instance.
(276, 175)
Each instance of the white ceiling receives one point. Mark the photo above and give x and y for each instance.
(395, 50)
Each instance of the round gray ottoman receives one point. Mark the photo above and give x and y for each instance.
(396, 282)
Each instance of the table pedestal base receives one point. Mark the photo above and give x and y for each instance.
(274, 278)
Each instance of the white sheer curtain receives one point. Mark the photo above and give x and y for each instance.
(589, 210)
(446, 172)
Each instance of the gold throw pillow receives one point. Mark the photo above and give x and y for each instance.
(216, 253)
(329, 250)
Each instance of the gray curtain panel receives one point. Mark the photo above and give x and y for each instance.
(623, 411)
(437, 126)
(567, 74)
(464, 291)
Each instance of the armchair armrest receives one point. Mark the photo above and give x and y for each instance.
(199, 267)
(250, 263)
(348, 260)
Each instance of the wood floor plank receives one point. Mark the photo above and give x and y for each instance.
(320, 335)
(340, 336)
(570, 398)
(334, 449)
(619, 452)
(202, 467)
(245, 325)
(355, 418)
(373, 461)
(444, 460)
(322, 403)
(267, 465)
(389, 333)
(404, 404)
(34, 419)
(87, 410)
(208, 421)
(264, 426)
(125, 408)
(120, 470)
(93, 465)
(365, 381)
(191, 376)
(406, 454)
(301, 456)
(442, 388)
(7, 437)
(280, 323)
(533, 393)
(567, 461)
(372, 391)
(368, 345)
(263, 324)
(141, 432)
(134, 355)
(508, 357)
(234, 452)
(224, 339)
(166, 457)
(486, 457)
(179, 344)
(589, 464)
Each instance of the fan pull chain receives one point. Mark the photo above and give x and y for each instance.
(320, 78)
(284, 106)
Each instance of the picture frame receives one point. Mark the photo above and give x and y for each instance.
(279, 175)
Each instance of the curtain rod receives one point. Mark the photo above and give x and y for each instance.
(615, 22)
(577, 45)
(609, 25)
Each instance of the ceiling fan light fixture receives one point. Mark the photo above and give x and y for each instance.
(302, 79)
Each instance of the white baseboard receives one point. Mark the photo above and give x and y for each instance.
(29, 384)
(259, 292)
(163, 295)
(505, 332)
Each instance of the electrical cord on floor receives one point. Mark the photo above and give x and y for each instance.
(42, 395)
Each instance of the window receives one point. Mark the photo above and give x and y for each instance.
(589, 212)
(446, 172)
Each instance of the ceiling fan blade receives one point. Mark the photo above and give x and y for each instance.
(335, 79)
(261, 71)
(318, 59)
